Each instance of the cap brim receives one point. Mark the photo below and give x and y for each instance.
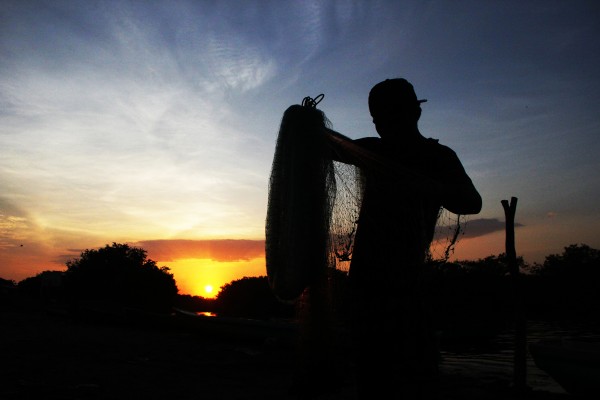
(422, 101)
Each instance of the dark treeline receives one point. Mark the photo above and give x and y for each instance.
(564, 286)
(471, 297)
(119, 277)
(461, 293)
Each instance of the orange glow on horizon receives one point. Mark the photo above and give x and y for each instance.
(194, 276)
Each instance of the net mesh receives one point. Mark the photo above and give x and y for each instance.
(302, 191)
(448, 231)
(345, 213)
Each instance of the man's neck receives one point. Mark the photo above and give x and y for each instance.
(404, 138)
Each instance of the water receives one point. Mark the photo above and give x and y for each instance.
(206, 313)
(495, 360)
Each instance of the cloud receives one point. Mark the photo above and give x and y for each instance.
(15, 225)
(476, 228)
(222, 250)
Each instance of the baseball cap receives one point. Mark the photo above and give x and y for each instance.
(386, 96)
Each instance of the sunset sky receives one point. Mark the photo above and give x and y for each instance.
(154, 122)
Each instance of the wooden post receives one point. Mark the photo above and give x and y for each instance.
(520, 355)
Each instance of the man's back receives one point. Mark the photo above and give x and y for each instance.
(397, 214)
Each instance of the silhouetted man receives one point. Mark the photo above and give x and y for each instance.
(410, 180)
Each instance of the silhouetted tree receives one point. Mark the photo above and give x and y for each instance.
(7, 282)
(30, 287)
(251, 297)
(469, 297)
(46, 286)
(566, 284)
(578, 261)
(8, 289)
(119, 275)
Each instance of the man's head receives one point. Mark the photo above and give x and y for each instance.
(394, 105)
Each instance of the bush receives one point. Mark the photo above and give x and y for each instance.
(251, 298)
(119, 276)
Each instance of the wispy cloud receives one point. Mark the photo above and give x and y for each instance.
(120, 127)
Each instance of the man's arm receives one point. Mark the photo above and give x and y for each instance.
(462, 199)
(341, 148)
(459, 195)
(348, 151)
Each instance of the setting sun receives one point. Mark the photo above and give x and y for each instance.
(194, 276)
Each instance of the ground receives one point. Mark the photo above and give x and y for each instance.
(46, 355)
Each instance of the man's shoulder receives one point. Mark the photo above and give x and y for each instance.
(429, 147)
(434, 145)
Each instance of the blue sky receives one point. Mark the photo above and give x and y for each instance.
(156, 120)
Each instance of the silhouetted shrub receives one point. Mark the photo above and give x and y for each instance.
(470, 293)
(119, 276)
(251, 297)
(566, 284)
(8, 289)
(47, 286)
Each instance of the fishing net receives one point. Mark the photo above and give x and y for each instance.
(302, 191)
(449, 229)
(345, 213)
